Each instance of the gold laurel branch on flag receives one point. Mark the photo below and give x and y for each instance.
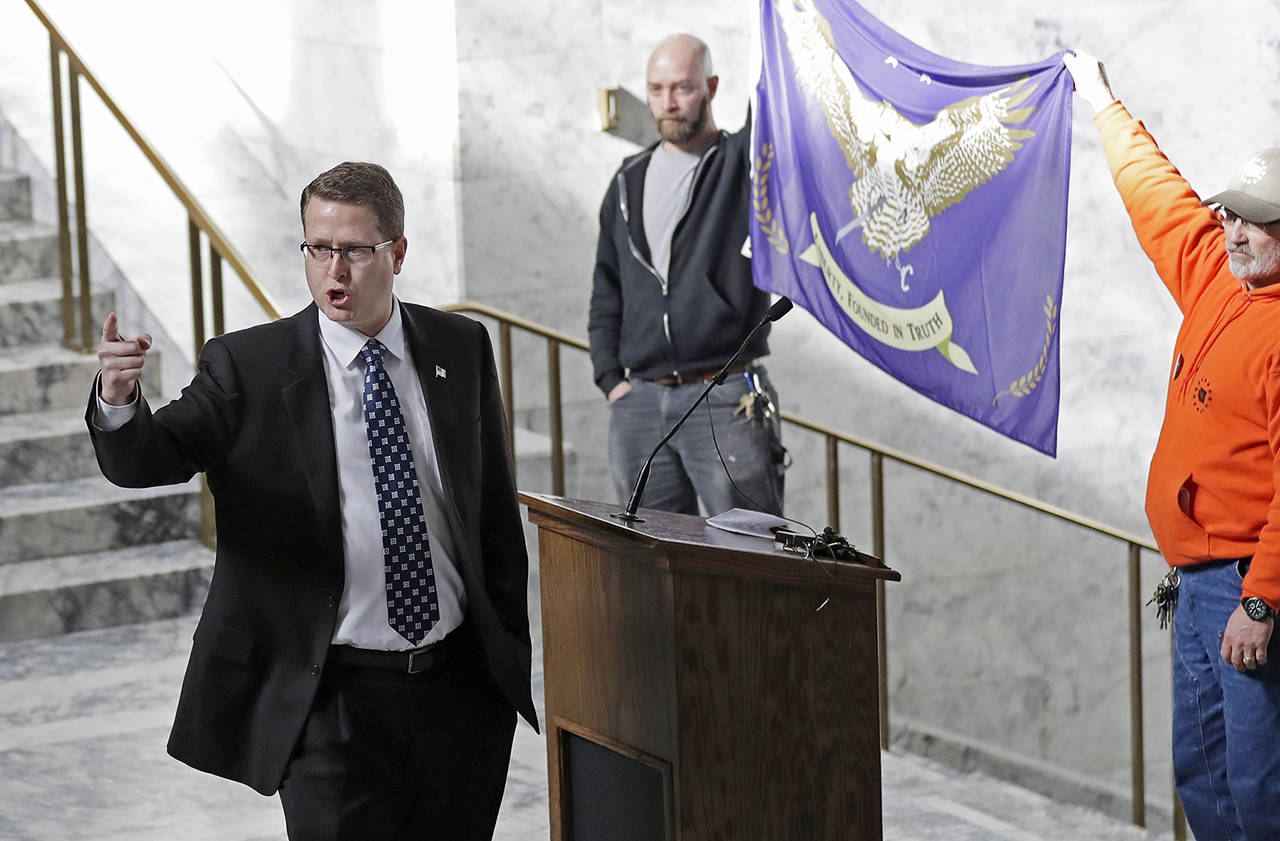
(760, 200)
(1027, 383)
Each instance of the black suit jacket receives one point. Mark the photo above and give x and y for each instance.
(256, 421)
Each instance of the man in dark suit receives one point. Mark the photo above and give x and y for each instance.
(364, 646)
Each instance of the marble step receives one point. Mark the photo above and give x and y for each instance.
(83, 723)
(45, 447)
(53, 596)
(47, 377)
(28, 251)
(54, 519)
(15, 197)
(84, 718)
(31, 312)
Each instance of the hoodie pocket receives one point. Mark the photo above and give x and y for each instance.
(1171, 510)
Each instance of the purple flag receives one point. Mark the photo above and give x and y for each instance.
(917, 206)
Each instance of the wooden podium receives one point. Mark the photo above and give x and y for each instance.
(702, 685)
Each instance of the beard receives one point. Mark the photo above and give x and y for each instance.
(1254, 268)
(680, 130)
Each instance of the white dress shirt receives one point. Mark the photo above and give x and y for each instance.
(362, 611)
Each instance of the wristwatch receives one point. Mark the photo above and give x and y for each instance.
(1256, 609)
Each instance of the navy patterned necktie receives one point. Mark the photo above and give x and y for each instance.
(412, 607)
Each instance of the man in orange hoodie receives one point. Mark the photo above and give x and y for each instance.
(1212, 491)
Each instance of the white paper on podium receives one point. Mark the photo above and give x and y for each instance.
(744, 521)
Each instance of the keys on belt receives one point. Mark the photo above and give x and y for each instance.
(755, 405)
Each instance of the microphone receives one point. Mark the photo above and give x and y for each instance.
(628, 515)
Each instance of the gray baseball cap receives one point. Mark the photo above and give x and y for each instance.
(1253, 193)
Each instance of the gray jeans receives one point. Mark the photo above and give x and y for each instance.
(688, 469)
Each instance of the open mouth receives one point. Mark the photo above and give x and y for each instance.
(337, 296)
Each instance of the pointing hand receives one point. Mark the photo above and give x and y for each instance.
(122, 360)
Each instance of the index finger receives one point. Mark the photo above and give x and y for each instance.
(110, 329)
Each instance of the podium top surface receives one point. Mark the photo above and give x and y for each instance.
(685, 543)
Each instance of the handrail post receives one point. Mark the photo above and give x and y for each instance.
(882, 625)
(557, 417)
(208, 528)
(1138, 763)
(197, 286)
(82, 221)
(507, 384)
(215, 290)
(833, 482)
(64, 217)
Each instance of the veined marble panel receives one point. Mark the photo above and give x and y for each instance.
(633, 27)
(15, 197)
(84, 515)
(27, 251)
(104, 566)
(41, 377)
(31, 312)
(489, 29)
(534, 234)
(45, 447)
(508, 123)
(68, 608)
(431, 272)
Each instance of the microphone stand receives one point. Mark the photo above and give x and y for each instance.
(628, 514)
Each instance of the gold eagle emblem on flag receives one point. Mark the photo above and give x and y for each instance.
(904, 173)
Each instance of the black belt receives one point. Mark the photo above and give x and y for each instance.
(676, 378)
(411, 662)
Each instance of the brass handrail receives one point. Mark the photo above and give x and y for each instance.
(199, 220)
(559, 337)
(78, 327)
(879, 453)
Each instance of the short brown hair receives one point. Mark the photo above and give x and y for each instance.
(361, 183)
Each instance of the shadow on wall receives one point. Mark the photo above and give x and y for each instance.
(634, 121)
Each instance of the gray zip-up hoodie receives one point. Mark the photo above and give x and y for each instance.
(640, 326)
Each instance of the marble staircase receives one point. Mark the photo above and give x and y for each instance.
(76, 553)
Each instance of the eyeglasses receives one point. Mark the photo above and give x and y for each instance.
(353, 255)
(1227, 218)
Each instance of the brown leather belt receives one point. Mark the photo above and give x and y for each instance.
(699, 374)
(412, 662)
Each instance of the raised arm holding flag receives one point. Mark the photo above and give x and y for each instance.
(1212, 491)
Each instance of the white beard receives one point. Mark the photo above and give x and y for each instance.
(1254, 267)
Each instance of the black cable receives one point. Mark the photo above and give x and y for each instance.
(808, 554)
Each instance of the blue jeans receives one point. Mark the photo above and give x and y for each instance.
(1226, 724)
(687, 468)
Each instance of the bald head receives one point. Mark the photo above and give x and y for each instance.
(687, 51)
(680, 87)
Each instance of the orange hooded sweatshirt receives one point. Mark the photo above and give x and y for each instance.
(1212, 489)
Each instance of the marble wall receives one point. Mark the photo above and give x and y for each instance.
(246, 106)
(1008, 632)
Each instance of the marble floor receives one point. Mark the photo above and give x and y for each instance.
(84, 717)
